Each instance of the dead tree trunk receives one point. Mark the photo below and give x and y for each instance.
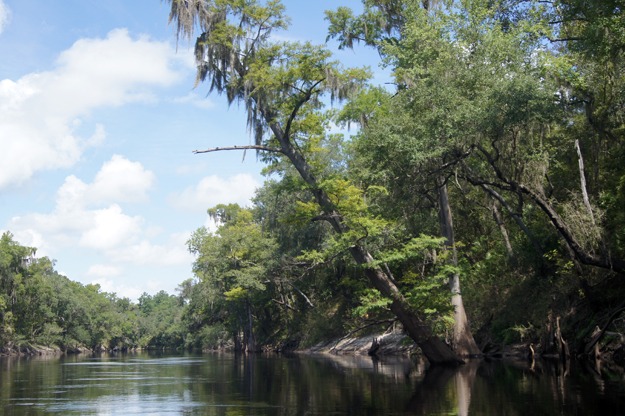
(582, 179)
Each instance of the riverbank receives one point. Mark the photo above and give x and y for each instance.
(26, 350)
(29, 350)
(379, 344)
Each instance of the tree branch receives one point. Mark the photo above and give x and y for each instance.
(602, 332)
(307, 96)
(248, 147)
(564, 39)
(301, 293)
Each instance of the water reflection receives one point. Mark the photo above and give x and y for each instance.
(223, 384)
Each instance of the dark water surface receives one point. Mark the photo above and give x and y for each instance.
(223, 384)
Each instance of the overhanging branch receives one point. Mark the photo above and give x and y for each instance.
(248, 147)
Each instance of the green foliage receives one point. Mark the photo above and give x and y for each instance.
(159, 323)
(38, 306)
(484, 97)
(212, 337)
(234, 266)
(519, 333)
(372, 302)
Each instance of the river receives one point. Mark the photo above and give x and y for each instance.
(228, 385)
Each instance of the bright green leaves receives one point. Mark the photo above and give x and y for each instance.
(238, 256)
(361, 226)
(235, 294)
(236, 266)
(287, 84)
(422, 278)
(418, 248)
(372, 302)
(368, 103)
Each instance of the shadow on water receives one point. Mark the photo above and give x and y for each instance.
(225, 384)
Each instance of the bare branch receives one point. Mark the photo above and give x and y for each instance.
(301, 293)
(248, 147)
(573, 38)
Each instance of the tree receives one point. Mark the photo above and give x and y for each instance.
(160, 317)
(281, 85)
(423, 141)
(235, 264)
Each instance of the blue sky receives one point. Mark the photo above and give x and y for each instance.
(98, 120)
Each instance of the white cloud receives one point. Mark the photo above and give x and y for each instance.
(171, 252)
(118, 180)
(40, 112)
(101, 270)
(121, 290)
(213, 190)
(148, 253)
(5, 15)
(110, 228)
(89, 214)
(122, 180)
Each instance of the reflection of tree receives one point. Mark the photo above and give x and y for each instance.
(463, 380)
(320, 385)
(444, 390)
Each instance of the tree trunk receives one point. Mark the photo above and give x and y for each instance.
(582, 178)
(433, 348)
(250, 339)
(238, 347)
(502, 228)
(463, 342)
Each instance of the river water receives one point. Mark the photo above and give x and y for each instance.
(228, 385)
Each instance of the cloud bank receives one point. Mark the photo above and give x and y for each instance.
(40, 113)
(89, 216)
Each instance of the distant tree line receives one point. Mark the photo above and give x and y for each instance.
(40, 307)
